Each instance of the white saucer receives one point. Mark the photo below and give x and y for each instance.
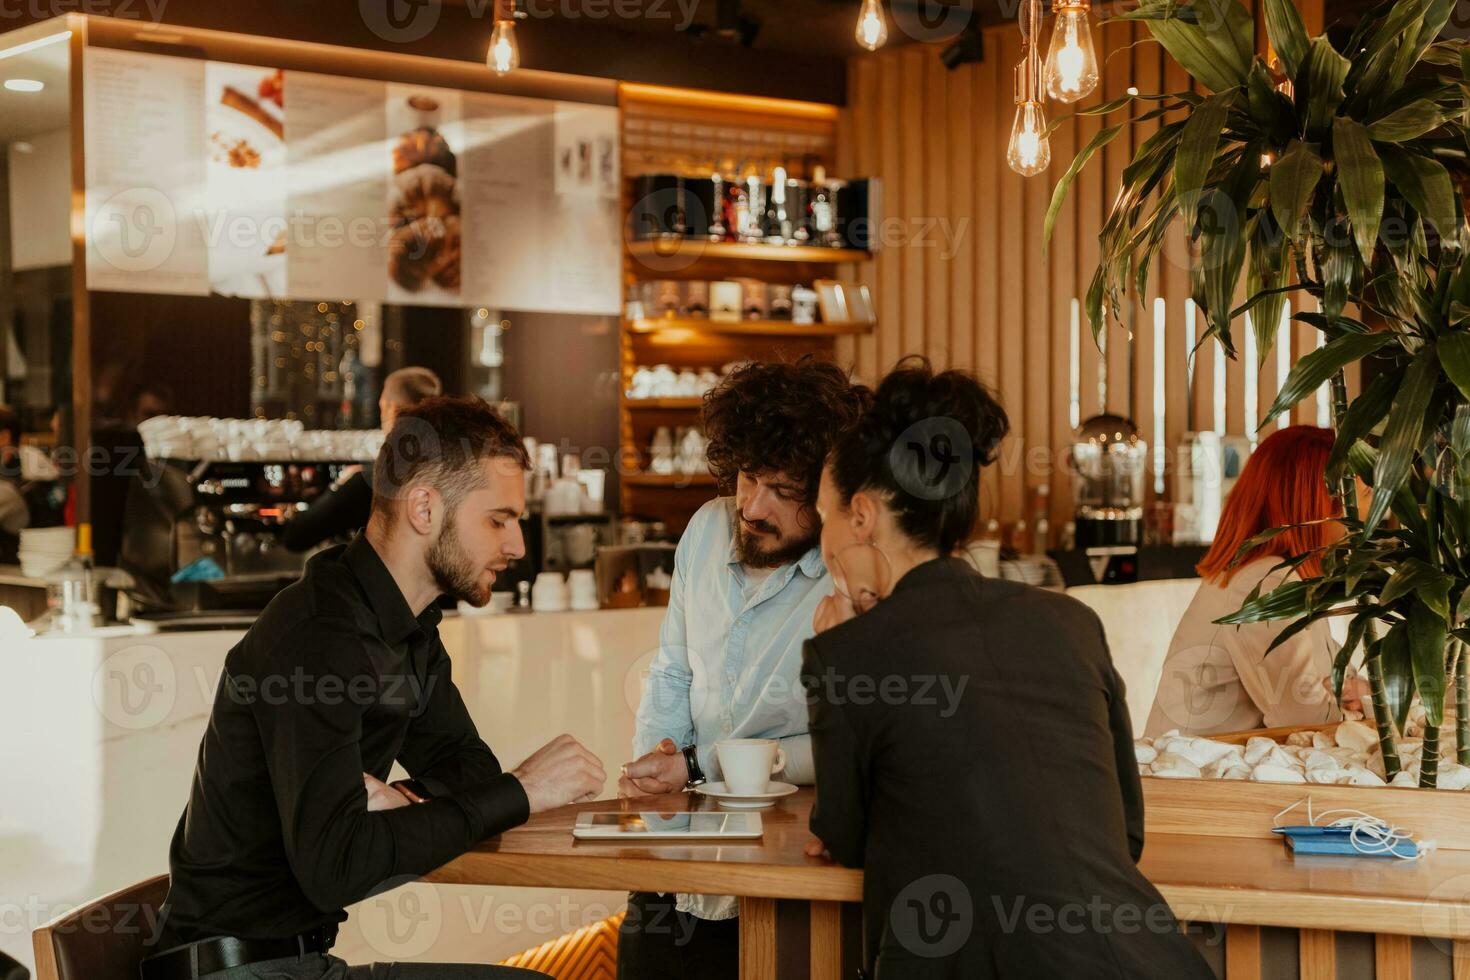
(746, 801)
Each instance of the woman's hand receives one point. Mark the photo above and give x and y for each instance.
(1355, 688)
(381, 796)
(832, 611)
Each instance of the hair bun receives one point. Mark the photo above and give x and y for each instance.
(912, 395)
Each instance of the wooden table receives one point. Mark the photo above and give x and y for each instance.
(1248, 882)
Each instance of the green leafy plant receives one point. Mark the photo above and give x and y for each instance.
(1333, 173)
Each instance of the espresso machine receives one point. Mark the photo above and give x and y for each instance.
(207, 535)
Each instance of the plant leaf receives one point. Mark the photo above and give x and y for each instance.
(1398, 674)
(1313, 370)
(1293, 179)
(1363, 414)
(1098, 141)
(1415, 574)
(1360, 175)
(1426, 650)
(1406, 123)
(1287, 33)
(1326, 72)
(1214, 42)
(1454, 357)
(1197, 144)
(1401, 437)
(1426, 185)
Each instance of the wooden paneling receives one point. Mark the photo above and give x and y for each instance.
(1318, 955)
(995, 302)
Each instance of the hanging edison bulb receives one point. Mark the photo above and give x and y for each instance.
(1029, 151)
(505, 54)
(1071, 62)
(872, 26)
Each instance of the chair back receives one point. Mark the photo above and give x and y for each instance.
(105, 939)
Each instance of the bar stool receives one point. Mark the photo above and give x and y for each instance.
(102, 940)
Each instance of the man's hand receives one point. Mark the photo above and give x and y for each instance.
(816, 849)
(560, 772)
(381, 796)
(661, 771)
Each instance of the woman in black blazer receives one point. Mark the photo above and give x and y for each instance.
(973, 749)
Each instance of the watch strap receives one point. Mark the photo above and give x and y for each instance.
(691, 762)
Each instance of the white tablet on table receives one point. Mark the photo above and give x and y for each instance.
(625, 826)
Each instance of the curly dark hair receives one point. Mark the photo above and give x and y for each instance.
(921, 446)
(779, 417)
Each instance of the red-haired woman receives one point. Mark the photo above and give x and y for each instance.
(1220, 678)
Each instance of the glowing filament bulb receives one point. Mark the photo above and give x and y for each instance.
(872, 27)
(505, 55)
(1029, 151)
(1071, 62)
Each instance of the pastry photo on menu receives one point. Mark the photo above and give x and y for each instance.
(424, 250)
(245, 133)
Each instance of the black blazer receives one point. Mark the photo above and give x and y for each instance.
(336, 513)
(975, 757)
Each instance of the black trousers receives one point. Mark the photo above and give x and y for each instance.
(658, 942)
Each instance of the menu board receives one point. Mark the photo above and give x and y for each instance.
(239, 180)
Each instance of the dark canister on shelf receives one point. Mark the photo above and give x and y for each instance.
(701, 208)
(799, 208)
(859, 213)
(658, 207)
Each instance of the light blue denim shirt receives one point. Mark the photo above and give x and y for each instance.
(728, 665)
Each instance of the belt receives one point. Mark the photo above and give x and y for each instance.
(225, 952)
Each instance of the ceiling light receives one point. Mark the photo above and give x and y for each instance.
(24, 85)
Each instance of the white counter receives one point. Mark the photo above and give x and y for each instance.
(99, 736)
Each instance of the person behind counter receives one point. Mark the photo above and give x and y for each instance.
(1220, 678)
(747, 577)
(15, 514)
(289, 819)
(972, 743)
(344, 508)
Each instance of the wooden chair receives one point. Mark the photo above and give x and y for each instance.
(103, 940)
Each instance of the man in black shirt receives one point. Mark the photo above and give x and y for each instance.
(289, 819)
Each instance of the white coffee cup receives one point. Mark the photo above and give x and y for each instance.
(749, 763)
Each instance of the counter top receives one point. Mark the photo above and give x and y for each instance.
(1204, 879)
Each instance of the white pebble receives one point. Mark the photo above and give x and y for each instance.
(1299, 738)
(1268, 773)
(1256, 749)
(1325, 775)
(1321, 740)
(1146, 753)
(1453, 776)
(1203, 751)
(1316, 759)
(1173, 766)
(1364, 777)
(1404, 778)
(1236, 771)
(1355, 735)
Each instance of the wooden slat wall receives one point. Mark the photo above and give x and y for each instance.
(985, 297)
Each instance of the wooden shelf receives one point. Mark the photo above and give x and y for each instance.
(676, 481)
(742, 251)
(664, 404)
(749, 328)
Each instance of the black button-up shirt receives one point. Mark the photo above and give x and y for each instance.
(336, 678)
